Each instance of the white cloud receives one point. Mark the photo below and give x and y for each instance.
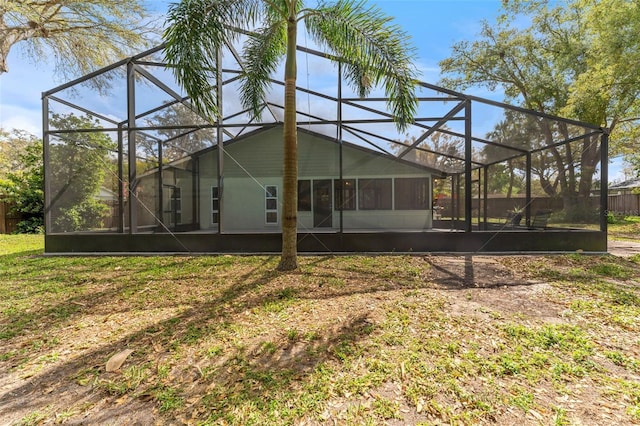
(15, 117)
(20, 93)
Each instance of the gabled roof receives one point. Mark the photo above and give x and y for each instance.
(248, 135)
(627, 184)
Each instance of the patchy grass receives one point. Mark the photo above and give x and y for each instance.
(350, 339)
(625, 228)
(21, 245)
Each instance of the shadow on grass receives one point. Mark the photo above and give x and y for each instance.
(69, 287)
(65, 287)
(225, 291)
(469, 271)
(4, 258)
(244, 375)
(451, 272)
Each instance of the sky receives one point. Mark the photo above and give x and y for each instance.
(434, 25)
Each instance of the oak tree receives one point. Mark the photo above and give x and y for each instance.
(79, 35)
(577, 59)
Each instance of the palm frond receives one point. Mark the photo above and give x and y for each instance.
(262, 52)
(196, 31)
(375, 51)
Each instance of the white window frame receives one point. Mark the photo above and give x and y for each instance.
(214, 211)
(267, 198)
(178, 201)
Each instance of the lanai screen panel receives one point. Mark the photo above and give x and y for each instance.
(103, 97)
(570, 172)
(82, 182)
(520, 161)
(506, 194)
(82, 170)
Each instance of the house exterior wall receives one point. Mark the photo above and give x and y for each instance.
(208, 173)
(252, 164)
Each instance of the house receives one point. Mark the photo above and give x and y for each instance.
(376, 191)
(631, 186)
(177, 182)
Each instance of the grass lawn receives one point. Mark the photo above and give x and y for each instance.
(349, 340)
(625, 228)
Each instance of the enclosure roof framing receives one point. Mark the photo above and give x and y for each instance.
(448, 122)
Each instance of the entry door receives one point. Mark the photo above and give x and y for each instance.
(322, 207)
(172, 200)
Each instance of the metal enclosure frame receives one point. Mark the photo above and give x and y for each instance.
(353, 117)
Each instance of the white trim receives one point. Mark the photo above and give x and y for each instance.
(213, 210)
(268, 211)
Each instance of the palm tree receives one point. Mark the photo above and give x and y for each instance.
(372, 50)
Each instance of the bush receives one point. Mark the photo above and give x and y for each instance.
(80, 217)
(32, 225)
(616, 217)
(24, 189)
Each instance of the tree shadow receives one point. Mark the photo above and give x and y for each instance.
(258, 371)
(453, 275)
(38, 275)
(472, 271)
(259, 365)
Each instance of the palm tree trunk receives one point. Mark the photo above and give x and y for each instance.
(289, 258)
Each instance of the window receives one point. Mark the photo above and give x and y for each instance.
(176, 205)
(345, 196)
(215, 205)
(271, 204)
(412, 194)
(304, 195)
(374, 194)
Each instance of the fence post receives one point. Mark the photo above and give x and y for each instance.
(604, 178)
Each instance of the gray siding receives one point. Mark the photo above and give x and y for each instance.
(253, 163)
(258, 156)
(261, 155)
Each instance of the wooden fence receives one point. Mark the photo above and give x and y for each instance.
(627, 204)
(8, 221)
(500, 207)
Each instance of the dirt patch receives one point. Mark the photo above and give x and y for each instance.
(242, 332)
(624, 248)
(489, 285)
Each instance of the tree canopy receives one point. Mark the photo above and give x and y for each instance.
(12, 146)
(22, 178)
(578, 59)
(79, 35)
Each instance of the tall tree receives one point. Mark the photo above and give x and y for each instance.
(79, 163)
(372, 49)
(12, 146)
(578, 59)
(23, 183)
(81, 35)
